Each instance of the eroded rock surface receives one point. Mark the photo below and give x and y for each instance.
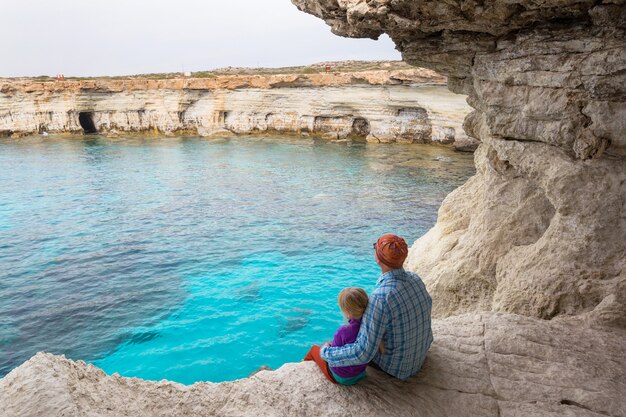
(411, 106)
(541, 229)
(480, 365)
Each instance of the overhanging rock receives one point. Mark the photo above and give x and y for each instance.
(540, 230)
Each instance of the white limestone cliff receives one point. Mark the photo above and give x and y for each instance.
(380, 106)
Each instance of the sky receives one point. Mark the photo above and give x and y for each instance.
(123, 37)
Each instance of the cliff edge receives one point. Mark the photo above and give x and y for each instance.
(480, 365)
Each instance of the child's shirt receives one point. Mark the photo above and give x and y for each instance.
(345, 335)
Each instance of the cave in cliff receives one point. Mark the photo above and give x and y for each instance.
(360, 127)
(86, 122)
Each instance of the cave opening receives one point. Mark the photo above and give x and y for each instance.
(86, 122)
(360, 127)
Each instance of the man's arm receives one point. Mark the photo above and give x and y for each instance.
(366, 344)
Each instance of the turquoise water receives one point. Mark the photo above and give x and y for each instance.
(191, 259)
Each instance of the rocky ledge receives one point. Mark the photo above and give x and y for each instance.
(490, 364)
(403, 105)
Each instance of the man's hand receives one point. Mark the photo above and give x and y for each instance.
(326, 344)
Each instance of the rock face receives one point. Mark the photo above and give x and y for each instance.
(480, 365)
(380, 106)
(541, 229)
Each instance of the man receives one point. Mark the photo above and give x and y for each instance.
(398, 315)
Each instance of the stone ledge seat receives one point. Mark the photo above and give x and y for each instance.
(491, 364)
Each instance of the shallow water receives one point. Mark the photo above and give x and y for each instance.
(192, 259)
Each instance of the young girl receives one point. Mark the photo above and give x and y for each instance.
(352, 302)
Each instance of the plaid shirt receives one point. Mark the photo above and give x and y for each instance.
(398, 314)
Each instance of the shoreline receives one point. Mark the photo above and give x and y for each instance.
(226, 135)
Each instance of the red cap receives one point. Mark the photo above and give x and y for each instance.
(391, 250)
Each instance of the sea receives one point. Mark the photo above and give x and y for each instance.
(193, 259)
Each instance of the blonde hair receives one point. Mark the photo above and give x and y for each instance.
(352, 301)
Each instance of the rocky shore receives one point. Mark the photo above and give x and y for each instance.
(480, 365)
(403, 105)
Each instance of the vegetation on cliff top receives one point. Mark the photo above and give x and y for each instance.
(335, 66)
